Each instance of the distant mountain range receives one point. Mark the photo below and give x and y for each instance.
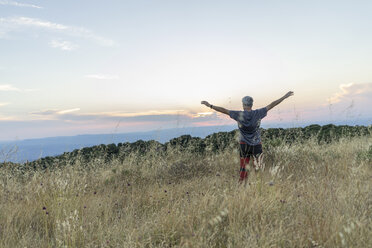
(32, 149)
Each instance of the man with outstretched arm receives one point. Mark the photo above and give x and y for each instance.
(249, 123)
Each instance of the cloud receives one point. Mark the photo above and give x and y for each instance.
(45, 112)
(68, 111)
(3, 104)
(8, 118)
(165, 117)
(204, 114)
(109, 116)
(8, 87)
(351, 91)
(15, 23)
(63, 45)
(31, 22)
(51, 112)
(17, 4)
(102, 76)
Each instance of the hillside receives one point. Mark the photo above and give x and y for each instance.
(315, 191)
(33, 149)
(216, 142)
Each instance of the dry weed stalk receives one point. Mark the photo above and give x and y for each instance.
(309, 195)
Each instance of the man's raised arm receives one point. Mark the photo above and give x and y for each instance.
(219, 109)
(274, 103)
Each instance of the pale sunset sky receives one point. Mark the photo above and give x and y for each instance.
(88, 66)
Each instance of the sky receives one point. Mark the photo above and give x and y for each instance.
(88, 66)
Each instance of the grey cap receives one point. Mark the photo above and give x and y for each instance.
(247, 101)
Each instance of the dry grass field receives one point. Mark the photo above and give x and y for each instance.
(309, 195)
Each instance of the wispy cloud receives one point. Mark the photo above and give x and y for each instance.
(45, 112)
(166, 117)
(55, 122)
(67, 111)
(8, 87)
(3, 104)
(63, 45)
(15, 23)
(203, 114)
(32, 22)
(103, 115)
(102, 76)
(352, 90)
(51, 112)
(17, 4)
(7, 118)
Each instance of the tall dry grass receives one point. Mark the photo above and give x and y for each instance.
(309, 195)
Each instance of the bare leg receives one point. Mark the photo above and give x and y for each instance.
(258, 162)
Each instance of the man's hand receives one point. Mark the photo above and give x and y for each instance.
(289, 93)
(218, 109)
(206, 104)
(274, 103)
